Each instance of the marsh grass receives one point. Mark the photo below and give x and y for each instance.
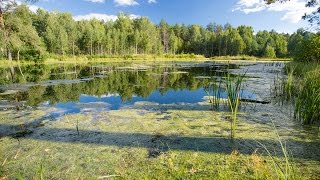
(233, 87)
(214, 93)
(301, 88)
(307, 102)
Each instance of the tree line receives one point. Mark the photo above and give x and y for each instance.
(35, 36)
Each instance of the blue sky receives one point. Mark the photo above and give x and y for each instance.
(281, 17)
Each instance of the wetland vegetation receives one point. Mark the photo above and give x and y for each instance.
(130, 99)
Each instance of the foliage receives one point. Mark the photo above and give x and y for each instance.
(308, 50)
(269, 52)
(57, 33)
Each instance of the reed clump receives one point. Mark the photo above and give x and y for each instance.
(301, 88)
(233, 88)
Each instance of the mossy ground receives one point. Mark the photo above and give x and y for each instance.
(167, 142)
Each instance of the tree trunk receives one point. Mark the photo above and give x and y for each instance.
(136, 48)
(73, 48)
(18, 55)
(91, 46)
(1, 19)
(9, 54)
(219, 46)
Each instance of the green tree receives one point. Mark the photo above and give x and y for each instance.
(22, 36)
(308, 50)
(269, 52)
(246, 32)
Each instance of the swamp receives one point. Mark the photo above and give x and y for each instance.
(155, 89)
(134, 120)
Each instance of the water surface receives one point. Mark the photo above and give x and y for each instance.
(98, 87)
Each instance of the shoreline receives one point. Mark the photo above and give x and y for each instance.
(149, 58)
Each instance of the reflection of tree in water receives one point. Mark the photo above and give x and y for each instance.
(126, 83)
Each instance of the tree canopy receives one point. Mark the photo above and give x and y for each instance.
(32, 36)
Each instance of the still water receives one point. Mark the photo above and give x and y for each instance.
(97, 87)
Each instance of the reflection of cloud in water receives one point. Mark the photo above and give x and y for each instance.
(62, 109)
(91, 104)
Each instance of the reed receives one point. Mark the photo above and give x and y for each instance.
(300, 88)
(233, 87)
(214, 93)
(307, 102)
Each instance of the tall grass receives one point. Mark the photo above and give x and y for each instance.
(284, 170)
(233, 87)
(301, 88)
(307, 102)
(283, 86)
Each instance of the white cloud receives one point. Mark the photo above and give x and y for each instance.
(96, 1)
(126, 2)
(104, 17)
(293, 10)
(101, 17)
(34, 8)
(152, 1)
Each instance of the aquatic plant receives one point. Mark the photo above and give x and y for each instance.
(233, 87)
(307, 102)
(214, 93)
(301, 88)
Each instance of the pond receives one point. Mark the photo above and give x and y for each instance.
(133, 117)
(84, 88)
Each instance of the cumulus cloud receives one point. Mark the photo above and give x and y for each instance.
(34, 8)
(104, 17)
(126, 2)
(293, 10)
(101, 17)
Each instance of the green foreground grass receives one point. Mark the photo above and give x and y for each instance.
(145, 144)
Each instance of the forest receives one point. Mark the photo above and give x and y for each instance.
(37, 36)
